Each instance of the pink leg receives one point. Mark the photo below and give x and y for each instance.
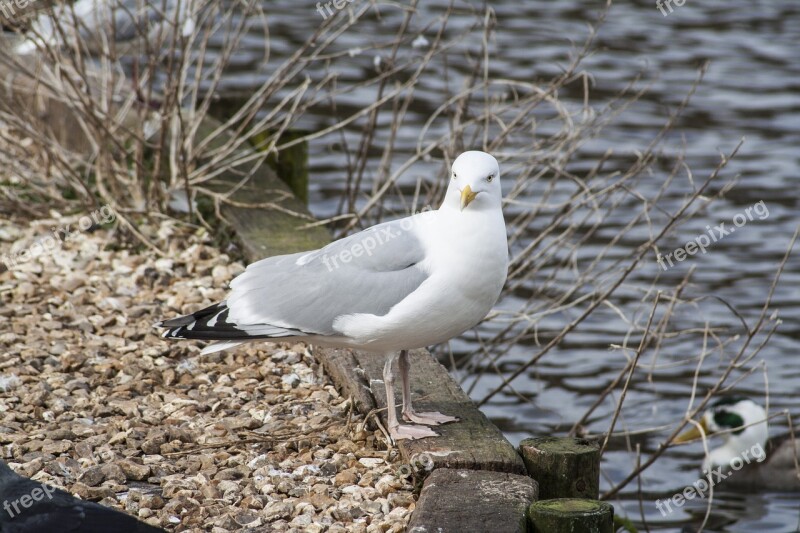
(397, 431)
(430, 418)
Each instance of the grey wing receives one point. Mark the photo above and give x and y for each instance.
(368, 272)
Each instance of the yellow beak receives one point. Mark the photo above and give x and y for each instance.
(693, 433)
(467, 196)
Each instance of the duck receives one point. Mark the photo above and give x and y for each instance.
(133, 22)
(747, 458)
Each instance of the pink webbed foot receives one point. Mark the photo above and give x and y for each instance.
(401, 432)
(430, 418)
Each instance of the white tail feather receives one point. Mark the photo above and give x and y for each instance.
(219, 346)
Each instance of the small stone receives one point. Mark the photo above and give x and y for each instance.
(72, 282)
(228, 486)
(56, 448)
(92, 476)
(91, 493)
(252, 502)
(210, 492)
(151, 447)
(112, 472)
(328, 468)
(346, 477)
(372, 507)
(276, 510)
(387, 484)
(302, 521)
(151, 501)
(291, 380)
(400, 499)
(134, 471)
(292, 358)
(247, 519)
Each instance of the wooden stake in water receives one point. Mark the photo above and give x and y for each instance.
(571, 515)
(564, 467)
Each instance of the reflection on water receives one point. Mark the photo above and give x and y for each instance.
(751, 90)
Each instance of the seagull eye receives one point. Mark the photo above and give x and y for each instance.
(454, 175)
(490, 177)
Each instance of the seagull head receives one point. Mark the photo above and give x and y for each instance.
(474, 182)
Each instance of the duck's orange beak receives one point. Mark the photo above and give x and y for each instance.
(695, 432)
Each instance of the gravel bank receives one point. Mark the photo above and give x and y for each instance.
(94, 402)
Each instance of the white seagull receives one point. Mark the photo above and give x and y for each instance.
(400, 285)
(97, 23)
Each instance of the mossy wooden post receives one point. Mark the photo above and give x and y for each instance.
(564, 467)
(290, 164)
(571, 515)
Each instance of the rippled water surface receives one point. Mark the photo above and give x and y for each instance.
(751, 90)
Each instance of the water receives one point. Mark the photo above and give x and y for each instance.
(750, 90)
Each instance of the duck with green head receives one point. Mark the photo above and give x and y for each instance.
(745, 452)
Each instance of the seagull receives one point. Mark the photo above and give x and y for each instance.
(32, 507)
(400, 285)
(133, 22)
(753, 462)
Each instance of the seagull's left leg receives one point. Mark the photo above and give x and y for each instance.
(430, 418)
(396, 430)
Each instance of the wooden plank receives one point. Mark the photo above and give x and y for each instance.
(473, 442)
(343, 368)
(456, 501)
(276, 227)
(265, 231)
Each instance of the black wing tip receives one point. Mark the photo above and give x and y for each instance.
(174, 322)
(187, 320)
(198, 326)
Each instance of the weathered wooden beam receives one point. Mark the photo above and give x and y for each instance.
(565, 467)
(343, 368)
(571, 515)
(276, 226)
(459, 501)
